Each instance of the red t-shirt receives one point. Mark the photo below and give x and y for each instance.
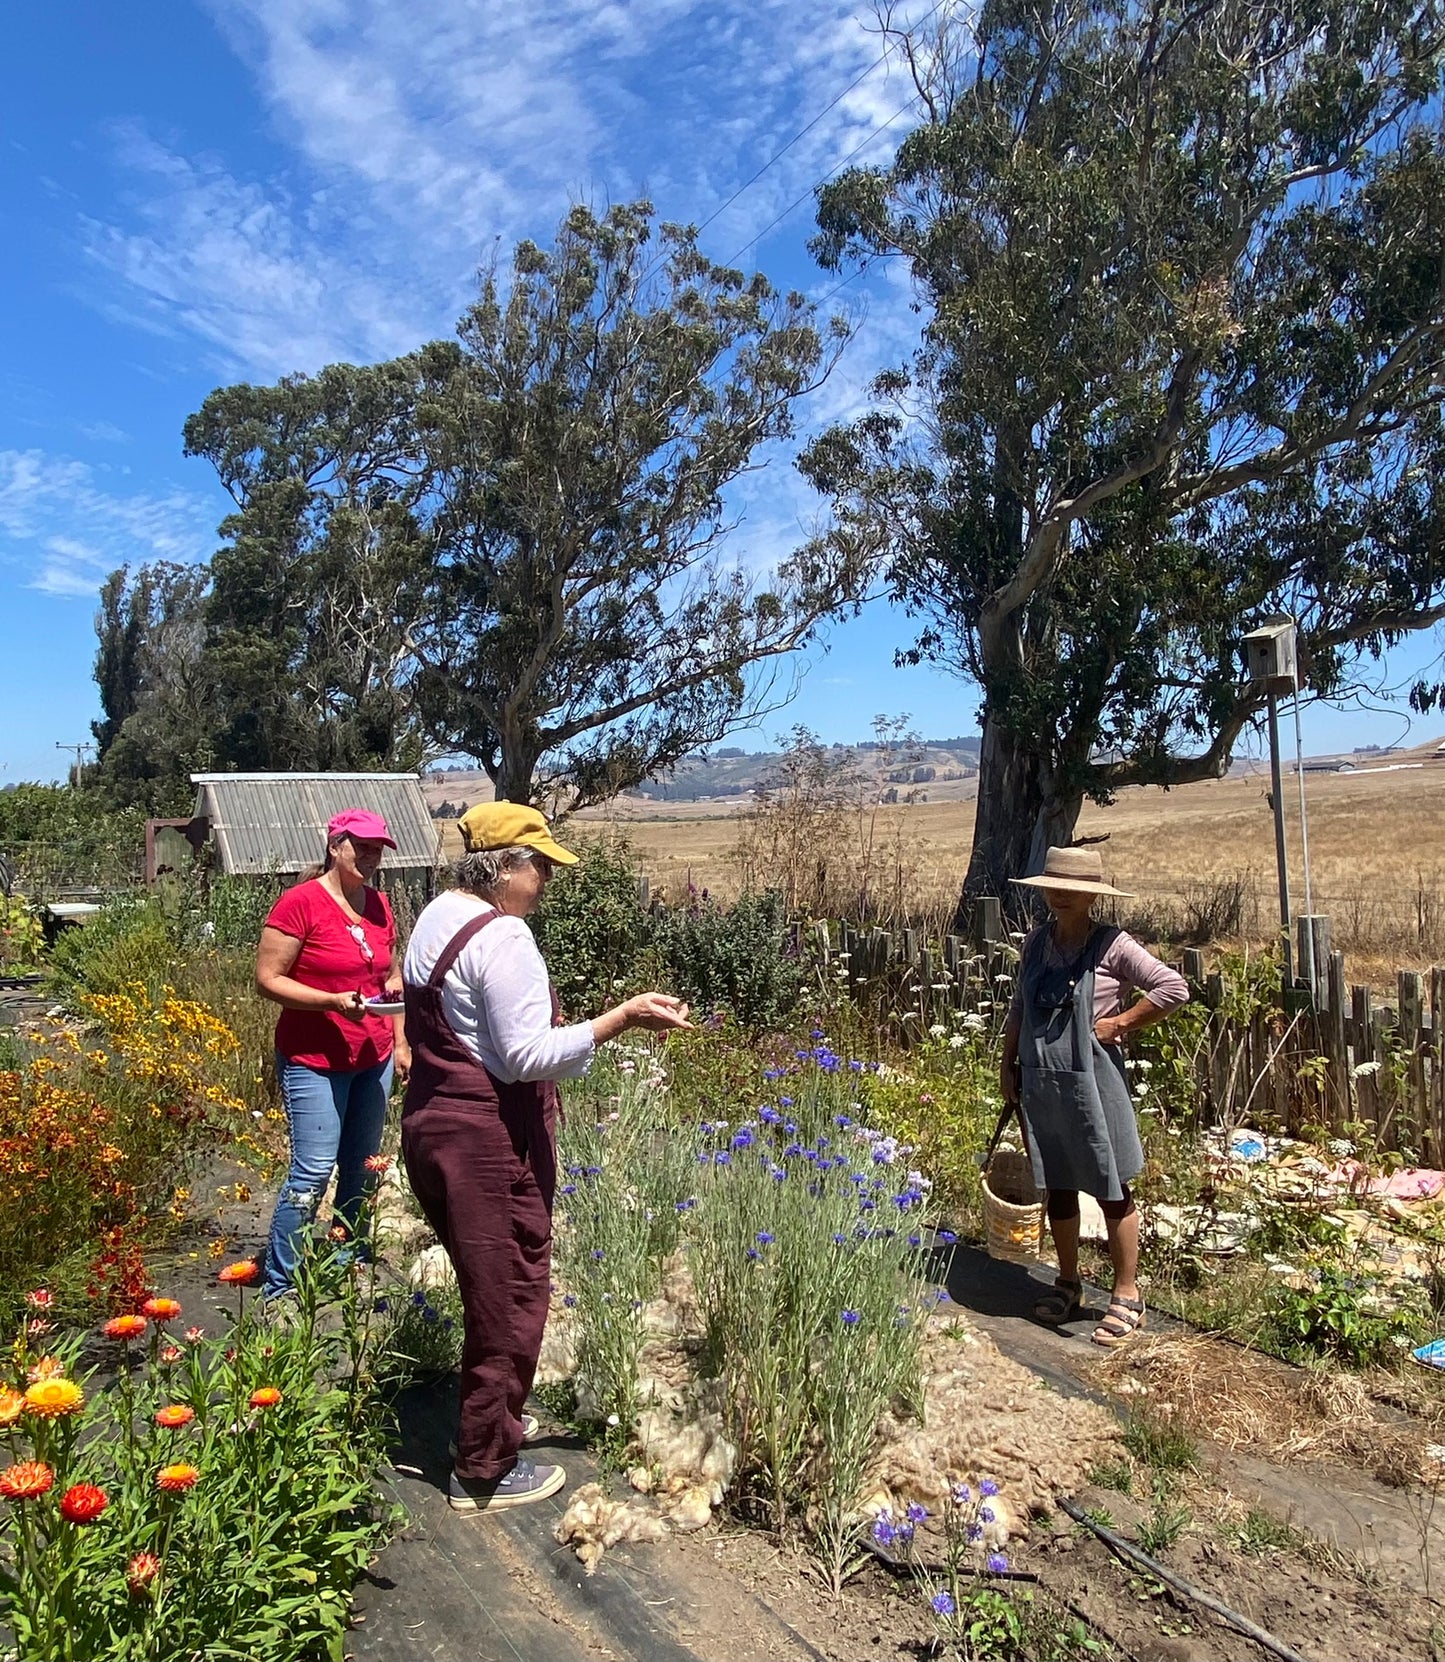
(332, 959)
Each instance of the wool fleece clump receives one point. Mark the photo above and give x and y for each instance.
(987, 1416)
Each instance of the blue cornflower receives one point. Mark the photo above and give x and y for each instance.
(997, 1563)
(568, 1189)
(942, 1604)
(840, 1159)
(866, 1205)
(790, 1128)
(817, 1034)
(839, 1239)
(962, 1494)
(974, 1534)
(857, 1177)
(430, 1315)
(947, 1236)
(986, 1513)
(851, 1318)
(842, 1121)
(598, 1255)
(419, 1300)
(785, 1102)
(763, 1238)
(574, 1171)
(570, 1300)
(988, 1488)
(722, 1158)
(753, 1255)
(704, 1158)
(770, 1074)
(381, 1306)
(707, 1128)
(792, 1149)
(811, 1156)
(743, 1138)
(447, 1324)
(917, 1514)
(686, 1205)
(856, 1066)
(778, 1175)
(593, 1171)
(822, 1144)
(770, 1116)
(883, 1531)
(915, 1240)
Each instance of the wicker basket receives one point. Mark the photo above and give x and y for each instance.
(1013, 1209)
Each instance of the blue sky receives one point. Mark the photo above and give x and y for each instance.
(196, 193)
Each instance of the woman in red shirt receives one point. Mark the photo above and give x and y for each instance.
(326, 950)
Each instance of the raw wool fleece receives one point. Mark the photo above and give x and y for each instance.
(987, 1416)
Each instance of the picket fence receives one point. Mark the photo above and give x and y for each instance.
(1333, 1056)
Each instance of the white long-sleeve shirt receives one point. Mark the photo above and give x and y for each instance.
(497, 996)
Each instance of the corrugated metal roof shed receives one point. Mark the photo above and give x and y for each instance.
(276, 822)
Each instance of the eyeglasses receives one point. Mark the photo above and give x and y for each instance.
(358, 934)
(543, 863)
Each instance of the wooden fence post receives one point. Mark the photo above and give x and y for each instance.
(1367, 1090)
(1413, 1114)
(1337, 1043)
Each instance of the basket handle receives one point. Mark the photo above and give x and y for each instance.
(1008, 1111)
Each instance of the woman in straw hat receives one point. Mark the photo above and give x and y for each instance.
(1062, 1065)
(478, 1127)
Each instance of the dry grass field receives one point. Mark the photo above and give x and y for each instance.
(1199, 860)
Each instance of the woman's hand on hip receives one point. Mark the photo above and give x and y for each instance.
(657, 1012)
(1110, 1030)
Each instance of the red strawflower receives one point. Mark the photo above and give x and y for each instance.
(266, 1397)
(169, 1354)
(175, 1415)
(124, 1328)
(243, 1273)
(177, 1478)
(161, 1309)
(379, 1163)
(84, 1503)
(194, 1335)
(26, 1480)
(37, 1327)
(41, 1299)
(141, 1571)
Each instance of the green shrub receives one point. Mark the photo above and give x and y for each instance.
(56, 836)
(732, 958)
(21, 938)
(1344, 1318)
(593, 929)
(132, 938)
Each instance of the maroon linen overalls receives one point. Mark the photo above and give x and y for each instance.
(481, 1156)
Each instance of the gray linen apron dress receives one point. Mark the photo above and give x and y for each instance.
(1082, 1130)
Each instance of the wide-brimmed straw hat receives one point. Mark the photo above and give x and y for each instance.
(1079, 870)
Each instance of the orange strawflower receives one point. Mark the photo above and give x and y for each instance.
(141, 1571)
(242, 1273)
(266, 1397)
(12, 1405)
(194, 1335)
(53, 1399)
(84, 1503)
(178, 1478)
(48, 1367)
(124, 1328)
(25, 1480)
(175, 1415)
(161, 1309)
(169, 1354)
(378, 1163)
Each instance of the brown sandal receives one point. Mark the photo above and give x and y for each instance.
(1061, 1304)
(1122, 1321)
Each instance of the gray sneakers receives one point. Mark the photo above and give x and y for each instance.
(529, 1431)
(525, 1483)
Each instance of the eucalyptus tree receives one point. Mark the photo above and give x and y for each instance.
(1181, 271)
(517, 545)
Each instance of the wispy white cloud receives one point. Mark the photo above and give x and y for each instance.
(423, 141)
(63, 528)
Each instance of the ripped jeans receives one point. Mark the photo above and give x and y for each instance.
(335, 1121)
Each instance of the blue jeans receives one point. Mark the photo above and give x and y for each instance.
(335, 1121)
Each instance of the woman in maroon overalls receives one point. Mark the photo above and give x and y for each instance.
(478, 1127)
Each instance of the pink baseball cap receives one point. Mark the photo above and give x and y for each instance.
(362, 823)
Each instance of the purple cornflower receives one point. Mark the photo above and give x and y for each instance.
(764, 1238)
(785, 1102)
(917, 1514)
(840, 1240)
(570, 1300)
(598, 1255)
(884, 1532)
(988, 1488)
(743, 1138)
(947, 1236)
(997, 1563)
(779, 1175)
(851, 1318)
(722, 1158)
(942, 1604)
(568, 1189)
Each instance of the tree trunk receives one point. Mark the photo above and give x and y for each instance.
(1019, 816)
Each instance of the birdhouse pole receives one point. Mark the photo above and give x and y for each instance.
(1271, 661)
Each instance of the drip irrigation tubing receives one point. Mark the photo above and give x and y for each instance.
(1135, 1555)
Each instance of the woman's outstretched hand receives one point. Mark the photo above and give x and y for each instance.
(657, 1012)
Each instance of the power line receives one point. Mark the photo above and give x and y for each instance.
(818, 183)
(803, 133)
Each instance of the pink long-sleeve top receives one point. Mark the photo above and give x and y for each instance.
(1125, 968)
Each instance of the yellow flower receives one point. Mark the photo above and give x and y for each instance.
(12, 1405)
(52, 1399)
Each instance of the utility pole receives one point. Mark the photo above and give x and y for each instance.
(1271, 658)
(79, 751)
